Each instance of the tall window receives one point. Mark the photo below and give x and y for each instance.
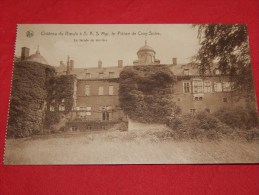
(52, 107)
(197, 86)
(186, 87)
(87, 90)
(207, 87)
(88, 109)
(106, 112)
(100, 91)
(111, 91)
(218, 87)
(88, 75)
(111, 74)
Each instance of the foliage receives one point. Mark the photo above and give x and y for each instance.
(227, 45)
(145, 93)
(51, 119)
(225, 123)
(28, 96)
(59, 88)
(238, 117)
(197, 126)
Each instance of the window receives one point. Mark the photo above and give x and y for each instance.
(61, 107)
(186, 71)
(88, 113)
(197, 86)
(218, 87)
(88, 75)
(106, 113)
(217, 71)
(87, 90)
(227, 86)
(101, 75)
(63, 100)
(207, 87)
(224, 99)
(111, 74)
(207, 110)
(106, 116)
(100, 91)
(111, 90)
(81, 114)
(51, 108)
(198, 98)
(186, 87)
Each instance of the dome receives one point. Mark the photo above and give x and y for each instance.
(37, 58)
(146, 48)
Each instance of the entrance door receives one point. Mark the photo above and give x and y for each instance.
(105, 116)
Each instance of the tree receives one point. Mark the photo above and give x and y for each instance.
(228, 46)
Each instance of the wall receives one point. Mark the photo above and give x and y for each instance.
(212, 101)
(95, 101)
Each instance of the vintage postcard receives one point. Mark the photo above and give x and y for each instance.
(132, 94)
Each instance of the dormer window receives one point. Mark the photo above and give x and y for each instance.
(186, 71)
(88, 75)
(111, 74)
(61, 107)
(101, 75)
(217, 71)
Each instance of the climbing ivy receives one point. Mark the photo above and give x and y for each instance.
(145, 93)
(28, 98)
(60, 92)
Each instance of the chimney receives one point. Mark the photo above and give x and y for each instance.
(174, 61)
(99, 64)
(25, 53)
(120, 63)
(72, 64)
(68, 65)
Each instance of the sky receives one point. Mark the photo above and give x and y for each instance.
(88, 43)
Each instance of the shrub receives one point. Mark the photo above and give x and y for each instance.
(200, 126)
(238, 117)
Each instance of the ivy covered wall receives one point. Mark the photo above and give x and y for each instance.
(60, 98)
(28, 98)
(145, 93)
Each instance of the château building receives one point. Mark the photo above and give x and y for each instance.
(96, 89)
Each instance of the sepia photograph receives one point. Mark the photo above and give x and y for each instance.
(132, 94)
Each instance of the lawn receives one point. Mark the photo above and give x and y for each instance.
(116, 147)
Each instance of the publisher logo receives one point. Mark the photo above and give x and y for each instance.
(29, 33)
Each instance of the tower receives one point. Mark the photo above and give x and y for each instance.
(146, 56)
